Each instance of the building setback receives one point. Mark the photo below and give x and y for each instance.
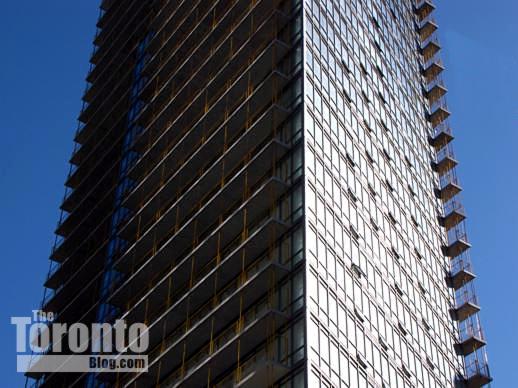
(270, 186)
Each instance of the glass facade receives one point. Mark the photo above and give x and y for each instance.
(269, 186)
(378, 305)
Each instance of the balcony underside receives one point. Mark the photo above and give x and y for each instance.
(82, 273)
(198, 160)
(427, 29)
(435, 93)
(469, 345)
(210, 178)
(478, 380)
(459, 279)
(438, 116)
(209, 63)
(88, 132)
(430, 49)
(191, 154)
(233, 21)
(448, 191)
(264, 78)
(441, 139)
(424, 8)
(226, 356)
(196, 318)
(215, 87)
(445, 164)
(432, 70)
(223, 309)
(456, 248)
(209, 246)
(464, 311)
(452, 219)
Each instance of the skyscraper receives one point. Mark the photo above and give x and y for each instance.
(270, 186)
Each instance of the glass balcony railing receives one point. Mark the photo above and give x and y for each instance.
(470, 328)
(477, 372)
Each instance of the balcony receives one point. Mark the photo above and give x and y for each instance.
(251, 174)
(435, 90)
(460, 273)
(471, 337)
(423, 8)
(247, 60)
(427, 27)
(164, 188)
(225, 355)
(219, 354)
(456, 248)
(430, 47)
(445, 160)
(454, 214)
(441, 137)
(432, 68)
(466, 304)
(477, 374)
(449, 187)
(438, 112)
(133, 292)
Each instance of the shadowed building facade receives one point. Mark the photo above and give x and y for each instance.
(269, 185)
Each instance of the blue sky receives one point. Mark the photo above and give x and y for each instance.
(46, 46)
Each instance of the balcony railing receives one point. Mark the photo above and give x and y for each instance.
(477, 373)
(471, 337)
(466, 303)
(449, 186)
(454, 214)
(444, 160)
(430, 47)
(460, 273)
(458, 243)
(441, 136)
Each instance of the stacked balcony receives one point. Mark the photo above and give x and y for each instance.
(444, 160)
(435, 90)
(438, 112)
(432, 68)
(212, 191)
(454, 214)
(430, 47)
(471, 336)
(426, 27)
(460, 273)
(441, 136)
(423, 8)
(470, 342)
(477, 372)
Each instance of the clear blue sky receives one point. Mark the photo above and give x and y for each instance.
(46, 46)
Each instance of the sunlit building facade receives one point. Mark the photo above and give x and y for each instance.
(389, 294)
(269, 185)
